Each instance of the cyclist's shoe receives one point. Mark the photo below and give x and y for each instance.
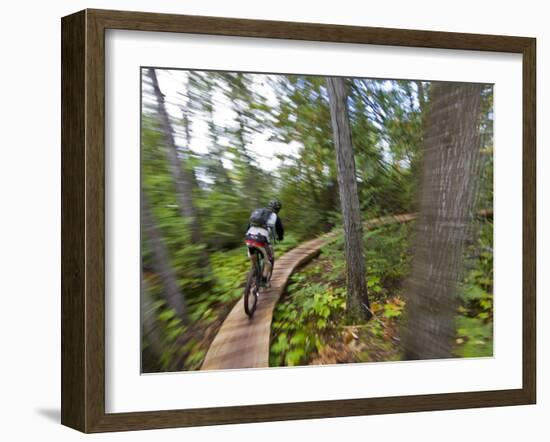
(265, 282)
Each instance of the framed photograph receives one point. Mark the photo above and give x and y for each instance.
(269, 220)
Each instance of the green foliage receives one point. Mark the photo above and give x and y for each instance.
(314, 307)
(387, 134)
(169, 328)
(393, 308)
(312, 314)
(475, 318)
(475, 337)
(387, 257)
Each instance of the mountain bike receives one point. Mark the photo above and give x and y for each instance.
(254, 280)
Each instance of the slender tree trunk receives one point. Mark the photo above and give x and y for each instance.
(161, 261)
(451, 153)
(182, 177)
(358, 306)
(189, 172)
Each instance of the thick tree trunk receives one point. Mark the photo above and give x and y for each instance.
(182, 177)
(358, 306)
(161, 261)
(451, 153)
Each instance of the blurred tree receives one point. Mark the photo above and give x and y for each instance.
(219, 196)
(450, 158)
(201, 87)
(358, 306)
(183, 179)
(386, 124)
(309, 179)
(161, 262)
(250, 110)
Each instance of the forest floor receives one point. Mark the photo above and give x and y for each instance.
(309, 325)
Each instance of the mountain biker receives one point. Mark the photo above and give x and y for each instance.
(264, 226)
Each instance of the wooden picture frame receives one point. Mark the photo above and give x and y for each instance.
(83, 220)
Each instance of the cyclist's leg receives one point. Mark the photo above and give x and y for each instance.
(252, 255)
(271, 259)
(267, 261)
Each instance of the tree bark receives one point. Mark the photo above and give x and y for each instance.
(358, 306)
(451, 153)
(182, 177)
(161, 262)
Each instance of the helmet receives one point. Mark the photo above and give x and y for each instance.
(275, 205)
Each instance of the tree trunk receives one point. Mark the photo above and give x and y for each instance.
(182, 177)
(358, 307)
(451, 153)
(161, 262)
(190, 173)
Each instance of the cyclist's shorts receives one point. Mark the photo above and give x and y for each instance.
(255, 240)
(257, 243)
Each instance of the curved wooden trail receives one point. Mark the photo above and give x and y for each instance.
(244, 343)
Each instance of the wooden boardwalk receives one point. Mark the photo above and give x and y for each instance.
(244, 343)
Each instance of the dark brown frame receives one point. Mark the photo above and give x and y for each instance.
(83, 217)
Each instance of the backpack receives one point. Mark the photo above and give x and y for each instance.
(259, 217)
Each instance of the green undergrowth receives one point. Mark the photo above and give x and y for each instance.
(309, 324)
(475, 319)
